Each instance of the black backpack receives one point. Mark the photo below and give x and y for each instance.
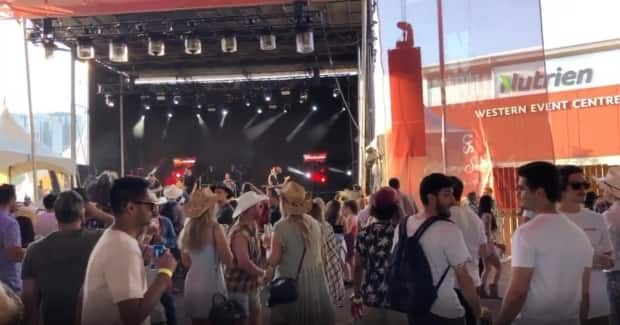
(410, 281)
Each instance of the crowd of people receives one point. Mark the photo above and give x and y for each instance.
(118, 259)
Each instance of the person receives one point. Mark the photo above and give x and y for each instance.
(115, 286)
(205, 250)
(11, 307)
(475, 238)
(224, 211)
(245, 276)
(610, 184)
(96, 218)
(472, 201)
(574, 185)
(373, 252)
(591, 198)
(275, 176)
(189, 182)
(491, 261)
(363, 217)
(274, 206)
(230, 183)
(54, 266)
(447, 255)
(46, 220)
(332, 215)
(295, 252)
(406, 202)
(154, 184)
(349, 216)
(334, 274)
(551, 257)
(11, 251)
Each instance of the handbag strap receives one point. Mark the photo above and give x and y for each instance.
(301, 261)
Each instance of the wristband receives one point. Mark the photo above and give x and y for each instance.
(165, 271)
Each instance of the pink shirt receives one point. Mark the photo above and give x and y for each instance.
(46, 224)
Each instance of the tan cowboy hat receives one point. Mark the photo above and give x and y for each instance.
(199, 203)
(295, 199)
(611, 181)
(246, 201)
(172, 192)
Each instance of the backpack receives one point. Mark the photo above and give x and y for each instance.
(410, 281)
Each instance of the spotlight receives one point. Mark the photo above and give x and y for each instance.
(176, 100)
(308, 175)
(85, 49)
(147, 107)
(193, 44)
(315, 108)
(119, 52)
(224, 112)
(335, 93)
(109, 100)
(343, 109)
(156, 47)
(229, 44)
(199, 106)
(285, 111)
(259, 111)
(170, 115)
(267, 41)
(247, 103)
(305, 41)
(197, 115)
(349, 173)
(267, 94)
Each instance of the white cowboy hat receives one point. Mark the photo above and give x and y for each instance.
(248, 200)
(611, 181)
(171, 192)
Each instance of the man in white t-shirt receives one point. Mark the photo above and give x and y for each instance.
(472, 228)
(574, 186)
(444, 247)
(115, 286)
(551, 257)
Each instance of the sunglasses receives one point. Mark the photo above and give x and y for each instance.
(151, 205)
(579, 185)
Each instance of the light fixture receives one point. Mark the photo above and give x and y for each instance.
(147, 107)
(259, 111)
(157, 46)
(308, 175)
(229, 44)
(285, 111)
(119, 52)
(349, 173)
(109, 100)
(267, 94)
(199, 106)
(343, 109)
(247, 103)
(224, 112)
(315, 108)
(335, 93)
(305, 41)
(267, 41)
(303, 96)
(197, 115)
(176, 99)
(85, 49)
(193, 44)
(170, 115)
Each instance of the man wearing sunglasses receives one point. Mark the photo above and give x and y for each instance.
(574, 187)
(115, 286)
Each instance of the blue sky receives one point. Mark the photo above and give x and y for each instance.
(471, 27)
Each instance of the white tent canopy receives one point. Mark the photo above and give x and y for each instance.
(15, 150)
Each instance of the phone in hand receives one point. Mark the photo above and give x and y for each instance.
(159, 250)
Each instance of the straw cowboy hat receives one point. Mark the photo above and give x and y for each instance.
(295, 199)
(246, 201)
(172, 192)
(611, 181)
(199, 203)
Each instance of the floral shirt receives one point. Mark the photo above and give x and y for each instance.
(374, 245)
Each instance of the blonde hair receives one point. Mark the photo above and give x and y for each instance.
(192, 237)
(10, 308)
(303, 224)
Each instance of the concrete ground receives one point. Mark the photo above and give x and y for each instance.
(343, 316)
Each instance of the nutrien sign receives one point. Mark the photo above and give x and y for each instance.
(517, 82)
